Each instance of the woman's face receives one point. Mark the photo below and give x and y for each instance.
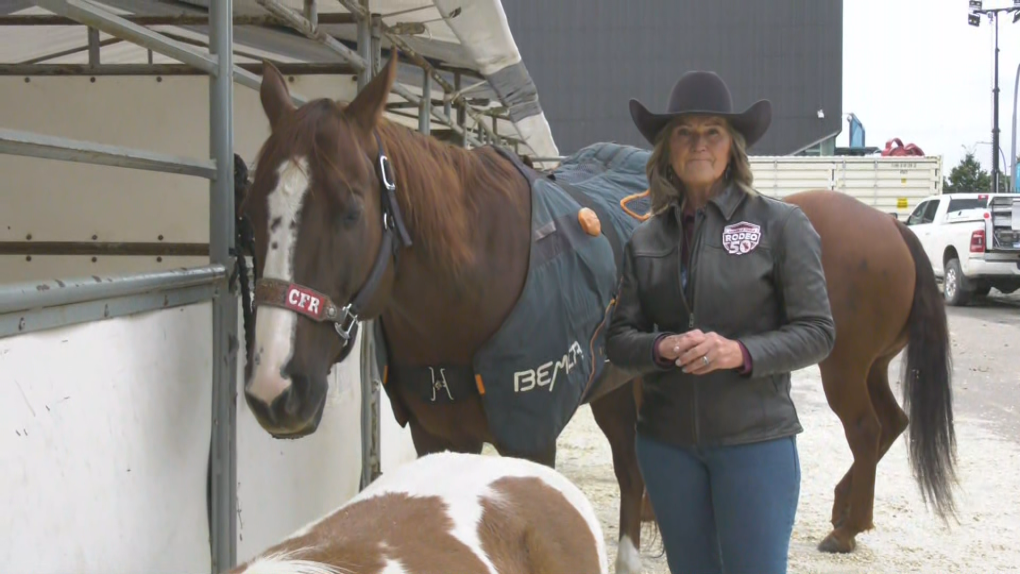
(700, 150)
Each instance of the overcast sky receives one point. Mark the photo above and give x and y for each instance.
(915, 70)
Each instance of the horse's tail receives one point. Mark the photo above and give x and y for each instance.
(927, 386)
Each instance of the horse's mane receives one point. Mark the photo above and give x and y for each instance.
(440, 186)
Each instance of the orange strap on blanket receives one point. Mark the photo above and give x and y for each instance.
(628, 211)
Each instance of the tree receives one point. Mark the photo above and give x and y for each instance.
(968, 177)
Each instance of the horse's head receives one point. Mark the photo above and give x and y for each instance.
(325, 226)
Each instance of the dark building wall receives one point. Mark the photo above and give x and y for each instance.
(589, 57)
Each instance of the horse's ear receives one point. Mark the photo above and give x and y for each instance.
(370, 103)
(274, 94)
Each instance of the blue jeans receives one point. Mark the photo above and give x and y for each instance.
(723, 509)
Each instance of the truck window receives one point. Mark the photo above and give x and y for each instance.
(929, 212)
(918, 213)
(968, 203)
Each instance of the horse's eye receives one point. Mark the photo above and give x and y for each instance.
(351, 214)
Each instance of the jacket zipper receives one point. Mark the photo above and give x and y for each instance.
(699, 218)
(690, 276)
(696, 236)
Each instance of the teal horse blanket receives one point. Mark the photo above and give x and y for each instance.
(549, 354)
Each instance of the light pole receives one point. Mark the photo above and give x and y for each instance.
(1014, 176)
(974, 19)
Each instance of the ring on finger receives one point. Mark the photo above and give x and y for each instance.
(705, 360)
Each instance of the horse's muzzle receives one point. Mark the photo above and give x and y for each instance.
(295, 413)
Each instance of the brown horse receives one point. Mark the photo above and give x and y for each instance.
(450, 512)
(884, 298)
(436, 248)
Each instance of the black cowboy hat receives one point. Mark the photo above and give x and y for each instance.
(703, 93)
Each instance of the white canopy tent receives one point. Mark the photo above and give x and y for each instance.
(466, 43)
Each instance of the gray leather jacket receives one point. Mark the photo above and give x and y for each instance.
(755, 276)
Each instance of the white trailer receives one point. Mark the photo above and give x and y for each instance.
(891, 184)
(114, 377)
(894, 185)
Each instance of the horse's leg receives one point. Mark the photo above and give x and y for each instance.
(647, 511)
(891, 418)
(846, 390)
(616, 415)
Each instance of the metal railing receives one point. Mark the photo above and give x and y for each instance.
(40, 305)
(37, 305)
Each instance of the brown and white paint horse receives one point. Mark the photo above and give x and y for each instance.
(450, 512)
(439, 258)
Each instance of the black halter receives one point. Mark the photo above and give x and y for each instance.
(308, 302)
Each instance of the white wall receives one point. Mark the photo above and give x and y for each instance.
(104, 439)
(103, 445)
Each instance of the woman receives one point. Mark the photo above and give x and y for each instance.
(722, 296)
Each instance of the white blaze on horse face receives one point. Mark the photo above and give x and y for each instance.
(276, 328)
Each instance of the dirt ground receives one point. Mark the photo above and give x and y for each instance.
(907, 537)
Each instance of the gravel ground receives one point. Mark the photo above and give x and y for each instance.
(907, 537)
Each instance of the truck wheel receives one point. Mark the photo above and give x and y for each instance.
(954, 286)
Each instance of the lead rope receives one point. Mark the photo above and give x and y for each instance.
(244, 245)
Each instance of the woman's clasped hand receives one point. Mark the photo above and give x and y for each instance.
(698, 353)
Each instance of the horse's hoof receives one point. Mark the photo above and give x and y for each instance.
(834, 544)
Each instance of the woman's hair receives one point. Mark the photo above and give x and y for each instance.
(665, 187)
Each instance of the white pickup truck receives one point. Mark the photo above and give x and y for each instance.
(972, 241)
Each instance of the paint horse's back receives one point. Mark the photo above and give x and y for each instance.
(450, 512)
